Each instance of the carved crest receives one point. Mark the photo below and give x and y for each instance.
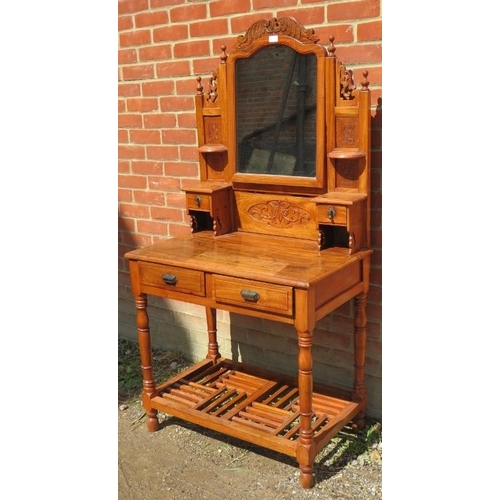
(282, 26)
(278, 213)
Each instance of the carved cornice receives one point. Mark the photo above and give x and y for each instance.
(283, 26)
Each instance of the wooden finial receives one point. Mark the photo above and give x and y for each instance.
(331, 49)
(365, 82)
(199, 87)
(223, 55)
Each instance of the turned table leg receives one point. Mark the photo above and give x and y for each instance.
(359, 392)
(304, 324)
(213, 347)
(148, 383)
(305, 449)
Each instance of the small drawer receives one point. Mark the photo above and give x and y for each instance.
(197, 201)
(172, 278)
(332, 214)
(254, 294)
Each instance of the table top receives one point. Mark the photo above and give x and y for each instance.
(275, 259)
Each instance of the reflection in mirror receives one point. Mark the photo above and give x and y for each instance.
(276, 112)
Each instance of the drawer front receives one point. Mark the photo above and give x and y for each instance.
(254, 294)
(198, 201)
(339, 217)
(172, 278)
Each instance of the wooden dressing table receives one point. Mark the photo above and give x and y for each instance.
(280, 230)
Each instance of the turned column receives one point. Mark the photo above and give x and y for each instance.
(359, 391)
(148, 383)
(213, 347)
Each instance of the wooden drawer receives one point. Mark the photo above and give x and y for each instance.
(198, 201)
(172, 278)
(255, 294)
(340, 216)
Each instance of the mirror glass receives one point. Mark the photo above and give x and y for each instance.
(276, 112)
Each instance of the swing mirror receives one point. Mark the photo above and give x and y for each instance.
(276, 99)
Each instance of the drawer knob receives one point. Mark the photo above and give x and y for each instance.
(250, 295)
(170, 279)
(197, 200)
(331, 213)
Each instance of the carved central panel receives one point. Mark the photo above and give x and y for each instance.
(213, 133)
(278, 213)
(347, 132)
(212, 130)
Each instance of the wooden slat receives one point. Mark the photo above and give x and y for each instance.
(239, 383)
(335, 424)
(195, 392)
(286, 423)
(253, 425)
(229, 404)
(294, 430)
(249, 377)
(324, 404)
(278, 411)
(201, 404)
(275, 394)
(182, 400)
(194, 398)
(286, 399)
(319, 422)
(202, 387)
(336, 402)
(241, 378)
(190, 372)
(207, 377)
(258, 418)
(267, 412)
(219, 400)
(250, 399)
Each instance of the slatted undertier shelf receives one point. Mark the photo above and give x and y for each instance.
(251, 404)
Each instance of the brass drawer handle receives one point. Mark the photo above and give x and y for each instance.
(250, 296)
(331, 213)
(170, 279)
(197, 201)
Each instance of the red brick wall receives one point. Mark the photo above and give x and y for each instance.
(163, 46)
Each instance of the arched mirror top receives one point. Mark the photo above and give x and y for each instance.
(276, 107)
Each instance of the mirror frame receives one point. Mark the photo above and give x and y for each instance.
(288, 32)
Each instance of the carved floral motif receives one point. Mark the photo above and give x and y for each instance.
(278, 213)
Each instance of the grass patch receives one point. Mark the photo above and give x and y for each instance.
(349, 444)
(165, 365)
